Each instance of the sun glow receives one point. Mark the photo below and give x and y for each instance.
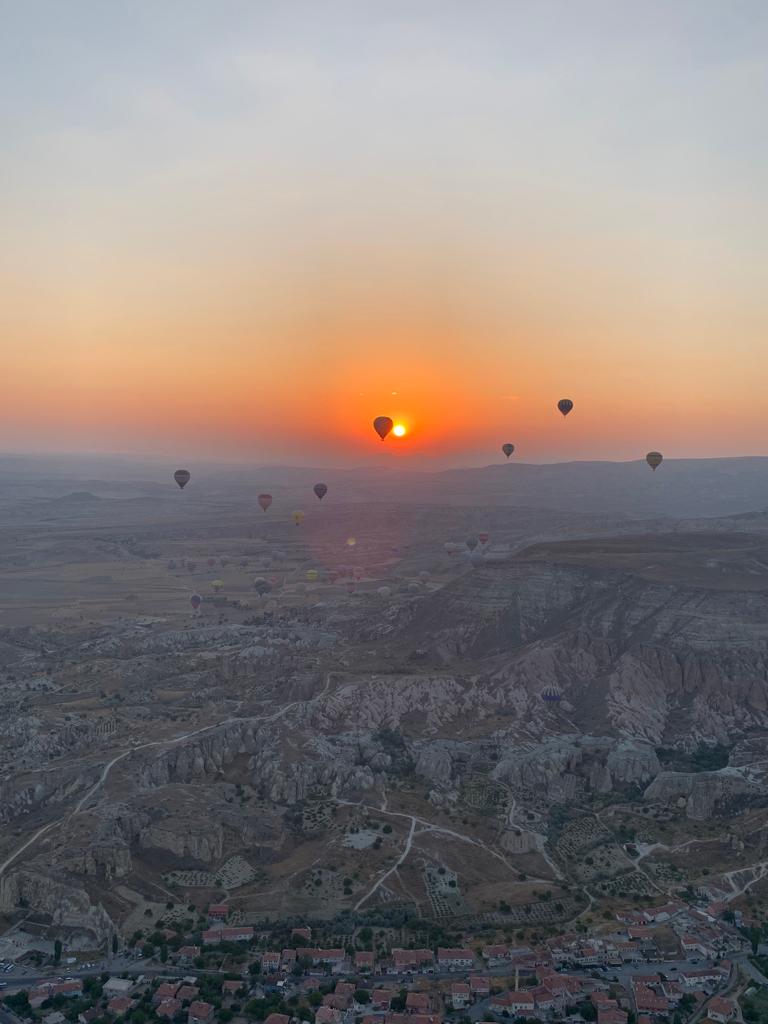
(399, 430)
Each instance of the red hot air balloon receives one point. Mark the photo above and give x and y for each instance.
(565, 405)
(195, 601)
(483, 537)
(382, 425)
(320, 490)
(182, 477)
(265, 500)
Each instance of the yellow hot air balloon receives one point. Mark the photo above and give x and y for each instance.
(298, 517)
(312, 575)
(217, 585)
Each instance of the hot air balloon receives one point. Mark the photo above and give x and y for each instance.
(483, 537)
(261, 586)
(382, 425)
(471, 542)
(551, 696)
(181, 476)
(423, 575)
(195, 601)
(312, 575)
(450, 547)
(654, 460)
(384, 592)
(507, 449)
(298, 517)
(265, 500)
(351, 588)
(320, 490)
(565, 405)
(217, 585)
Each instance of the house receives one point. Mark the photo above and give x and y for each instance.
(270, 962)
(691, 944)
(277, 1018)
(288, 959)
(543, 999)
(461, 995)
(720, 1010)
(663, 913)
(479, 986)
(117, 986)
(200, 1013)
(513, 1003)
(186, 993)
(380, 999)
(166, 990)
(587, 955)
(88, 1016)
(495, 955)
(417, 1002)
(302, 933)
(337, 1002)
(455, 959)
(168, 1008)
(331, 957)
(218, 912)
(695, 979)
(364, 961)
(327, 1015)
(231, 988)
(600, 998)
(413, 959)
(647, 1001)
(213, 936)
(120, 1005)
(611, 1015)
(185, 953)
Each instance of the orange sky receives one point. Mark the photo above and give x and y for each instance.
(241, 235)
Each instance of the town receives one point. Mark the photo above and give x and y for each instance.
(669, 964)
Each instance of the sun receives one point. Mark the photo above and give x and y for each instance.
(399, 430)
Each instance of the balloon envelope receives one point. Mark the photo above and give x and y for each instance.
(471, 543)
(265, 500)
(654, 460)
(483, 537)
(507, 449)
(195, 601)
(298, 517)
(382, 425)
(320, 490)
(565, 405)
(182, 476)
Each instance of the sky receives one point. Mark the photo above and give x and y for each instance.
(242, 228)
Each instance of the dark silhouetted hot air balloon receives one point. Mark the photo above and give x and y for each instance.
(320, 490)
(265, 500)
(654, 460)
(181, 476)
(382, 425)
(565, 405)
(195, 601)
(508, 448)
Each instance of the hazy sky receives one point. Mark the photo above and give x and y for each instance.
(238, 227)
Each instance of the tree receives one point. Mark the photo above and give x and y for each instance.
(114, 945)
(57, 951)
(362, 996)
